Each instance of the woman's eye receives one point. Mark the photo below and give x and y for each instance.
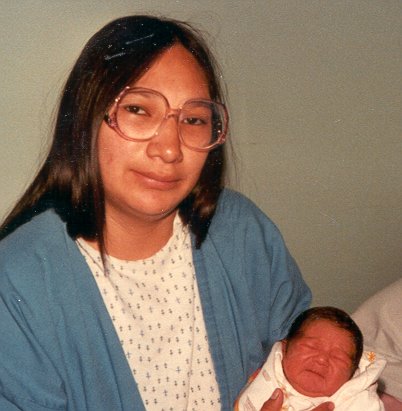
(194, 121)
(135, 109)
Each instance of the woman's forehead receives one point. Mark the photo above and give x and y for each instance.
(176, 69)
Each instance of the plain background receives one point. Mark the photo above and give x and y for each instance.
(314, 91)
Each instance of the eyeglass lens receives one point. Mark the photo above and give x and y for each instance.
(140, 114)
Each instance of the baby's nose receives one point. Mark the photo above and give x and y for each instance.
(322, 358)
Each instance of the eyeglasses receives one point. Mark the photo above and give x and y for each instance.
(139, 113)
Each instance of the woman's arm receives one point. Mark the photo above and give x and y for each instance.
(276, 400)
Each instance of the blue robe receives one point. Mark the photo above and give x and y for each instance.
(58, 346)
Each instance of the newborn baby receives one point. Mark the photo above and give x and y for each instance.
(320, 360)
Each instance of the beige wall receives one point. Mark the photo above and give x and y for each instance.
(315, 99)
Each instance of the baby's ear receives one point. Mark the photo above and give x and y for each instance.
(284, 345)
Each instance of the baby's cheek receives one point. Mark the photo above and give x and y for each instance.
(342, 374)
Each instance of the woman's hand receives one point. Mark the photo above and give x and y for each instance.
(276, 400)
(390, 402)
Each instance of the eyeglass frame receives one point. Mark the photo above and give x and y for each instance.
(110, 118)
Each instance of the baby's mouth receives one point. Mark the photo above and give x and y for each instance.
(320, 373)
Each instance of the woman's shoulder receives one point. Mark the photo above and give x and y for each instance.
(238, 210)
(43, 224)
(36, 261)
(233, 197)
(39, 237)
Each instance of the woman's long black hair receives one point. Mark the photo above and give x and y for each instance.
(69, 180)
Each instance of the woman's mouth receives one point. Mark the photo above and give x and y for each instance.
(157, 181)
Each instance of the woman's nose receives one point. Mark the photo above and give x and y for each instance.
(166, 143)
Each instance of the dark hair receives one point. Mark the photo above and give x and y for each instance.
(337, 317)
(69, 180)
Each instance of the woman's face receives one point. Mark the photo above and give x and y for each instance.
(147, 180)
(319, 361)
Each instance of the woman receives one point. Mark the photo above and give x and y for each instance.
(130, 279)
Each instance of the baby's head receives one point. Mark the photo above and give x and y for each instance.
(322, 351)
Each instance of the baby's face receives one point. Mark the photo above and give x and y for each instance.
(319, 361)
